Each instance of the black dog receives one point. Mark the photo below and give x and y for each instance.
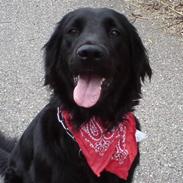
(94, 63)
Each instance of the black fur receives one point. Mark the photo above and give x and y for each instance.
(45, 153)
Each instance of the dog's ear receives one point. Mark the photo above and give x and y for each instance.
(138, 54)
(139, 57)
(52, 53)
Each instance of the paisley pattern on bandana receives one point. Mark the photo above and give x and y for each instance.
(94, 135)
(113, 151)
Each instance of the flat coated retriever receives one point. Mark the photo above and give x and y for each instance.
(95, 64)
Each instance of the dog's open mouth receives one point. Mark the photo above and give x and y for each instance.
(88, 89)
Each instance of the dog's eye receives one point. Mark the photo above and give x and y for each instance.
(114, 32)
(73, 31)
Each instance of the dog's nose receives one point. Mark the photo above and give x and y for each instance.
(91, 52)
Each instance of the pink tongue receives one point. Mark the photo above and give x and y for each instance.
(87, 91)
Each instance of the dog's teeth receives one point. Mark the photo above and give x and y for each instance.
(76, 79)
(103, 79)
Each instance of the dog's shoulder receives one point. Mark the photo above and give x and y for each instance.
(38, 137)
(43, 118)
(44, 122)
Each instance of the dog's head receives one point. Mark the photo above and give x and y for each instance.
(95, 62)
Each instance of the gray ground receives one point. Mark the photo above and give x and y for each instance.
(24, 28)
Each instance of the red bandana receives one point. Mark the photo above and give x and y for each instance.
(112, 151)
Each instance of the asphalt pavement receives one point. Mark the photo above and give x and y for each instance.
(25, 26)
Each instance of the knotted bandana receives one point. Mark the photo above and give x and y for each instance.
(113, 151)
